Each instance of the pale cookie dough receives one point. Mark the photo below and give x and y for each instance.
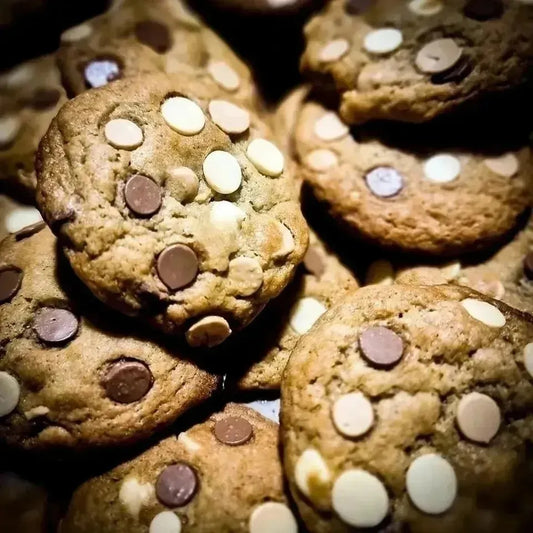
(30, 96)
(413, 60)
(221, 475)
(137, 37)
(191, 231)
(409, 409)
(506, 274)
(415, 188)
(73, 375)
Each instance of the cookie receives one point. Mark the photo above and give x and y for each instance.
(191, 222)
(30, 96)
(136, 37)
(260, 353)
(413, 60)
(416, 189)
(409, 408)
(221, 475)
(15, 216)
(73, 375)
(506, 274)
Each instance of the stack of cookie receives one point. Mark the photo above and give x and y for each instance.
(173, 285)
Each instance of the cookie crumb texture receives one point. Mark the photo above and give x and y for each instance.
(204, 239)
(440, 200)
(184, 483)
(73, 375)
(414, 60)
(410, 408)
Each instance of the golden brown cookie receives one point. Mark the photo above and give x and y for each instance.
(409, 408)
(192, 220)
(412, 60)
(72, 374)
(221, 475)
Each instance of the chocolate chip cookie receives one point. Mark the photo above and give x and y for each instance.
(170, 203)
(221, 475)
(73, 375)
(262, 351)
(409, 408)
(416, 188)
(506, 274)
(30, 96)
(136, 37)
(413, 60)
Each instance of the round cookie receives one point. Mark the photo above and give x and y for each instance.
(183, 483)
(30, 96)
(441, 199)
(191, 227)
(73, 375)
(262, 351)
(506, 274)
(412, 60)
(136, 37)
(15, 216)
(409, 408)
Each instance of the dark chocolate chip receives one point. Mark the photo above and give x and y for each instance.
(44, 98)
(314, 262)
(233, 430)
(176, 485)
(456, 74)
(142, 195)
(54, 325)
(127, 381)
(101, 71)
(355, 7)
(381, 346)
(483, 9)
(155, 35)
(30, 230)
(177, 266)
(10, 281)
(384, 182)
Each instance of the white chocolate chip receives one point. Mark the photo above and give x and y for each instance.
(321, 160)
(383, 41)
(287, 241)
(333, 50)
(266, 157)
(226, 216)
(134, 495)
(123, 134)
(360, 499)
(451, 270)
(268, 408)
(165, 522)
(19, 76)
(506, 165)
(222, 172)
(189, 443)
(426, 8)
(224, 75)
(353, 414)
(442, 168)
(478, 417)
(76, 33)
(40, 410)
(183, 115)
(305, 313)
(208, 332)
(9, 129)
(528, 358)
(431, 483)
(484, 312)
(311, 473)
(329, 127)
(9, 393)
(21, 217)
(246, 275)
(380, 272)
(229, 117)
(272, 517)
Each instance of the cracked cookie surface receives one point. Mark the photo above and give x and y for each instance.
(414, 60)
(73, 374)
(183, 483)
(418, 189)
(164, 211)
(410, 407)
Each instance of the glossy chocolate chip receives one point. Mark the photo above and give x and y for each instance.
(127, 381)
(233, 430)
(381, 346)
(176, 485)
(44, 98)
(142, 195)
(528, 266)
(456, 74)
(10, 281)
(483, 9)
(101, 71)
(54, 325)
(177, 266)
(354, 7)
(384, 182)
(155, 35)
(314, 262)
(30, 230)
